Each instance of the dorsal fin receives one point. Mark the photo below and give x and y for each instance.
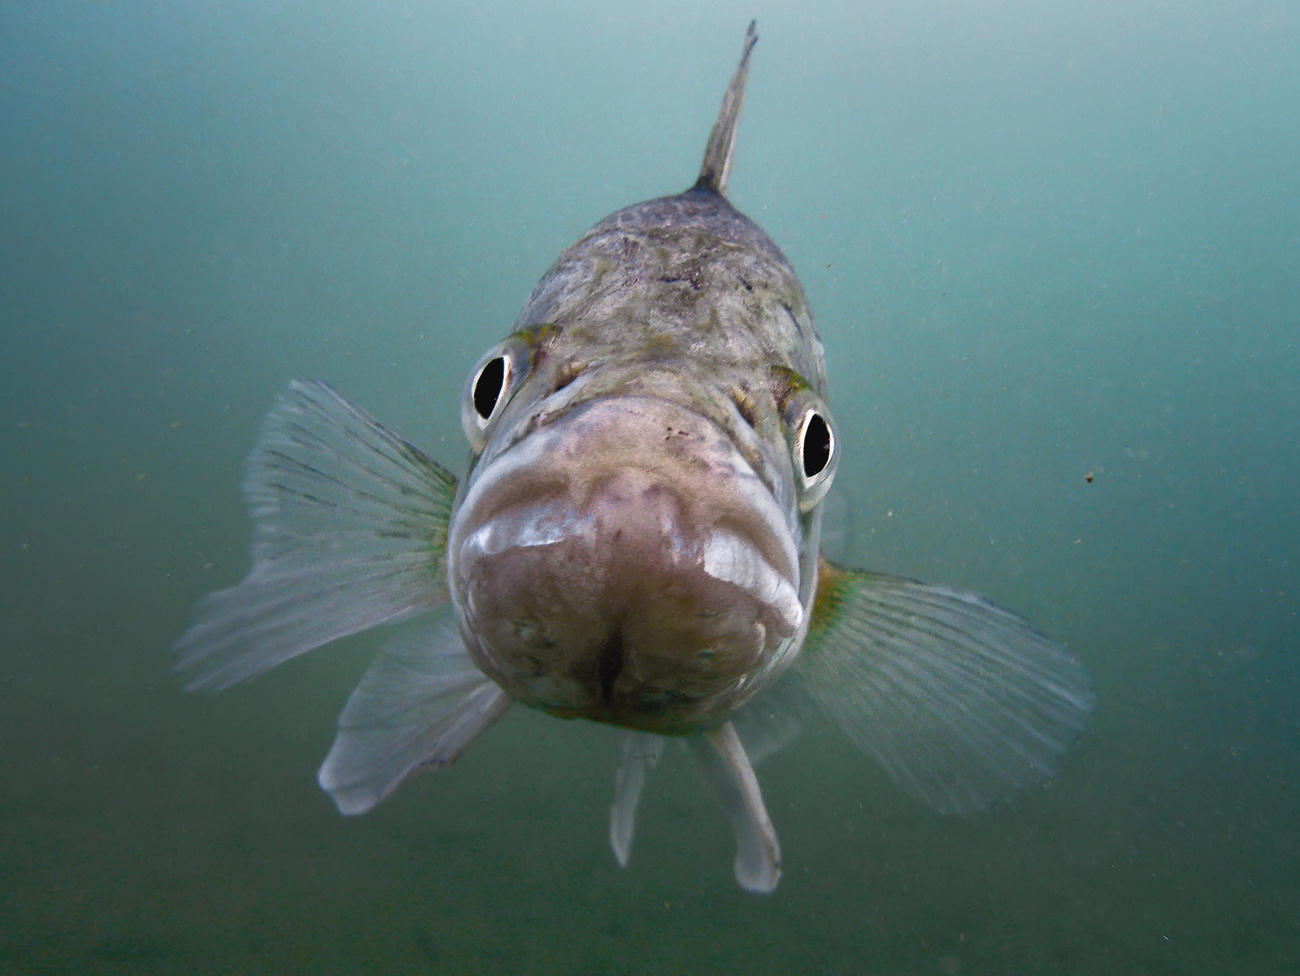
(722, 140)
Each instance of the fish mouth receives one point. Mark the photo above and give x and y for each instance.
(626, 564)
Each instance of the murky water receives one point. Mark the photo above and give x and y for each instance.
(1055, 258)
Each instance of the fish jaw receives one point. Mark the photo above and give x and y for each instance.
(625, 564)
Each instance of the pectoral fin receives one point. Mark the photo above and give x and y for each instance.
(960, 700)
(418, 706)
(349, 531)
(758, 855)
(640, 753)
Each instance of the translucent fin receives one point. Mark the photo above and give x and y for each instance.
(640, 752)
(771, 721)
(960, 700)
(758, 855)
(419, 705)
(716, 170)
(350, 531)
(839, 531)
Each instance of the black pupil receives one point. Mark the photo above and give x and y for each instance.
(487, 388)
(816, 446)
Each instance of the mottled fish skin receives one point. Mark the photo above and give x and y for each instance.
(684, 298)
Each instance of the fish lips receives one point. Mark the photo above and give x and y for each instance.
(626, 564)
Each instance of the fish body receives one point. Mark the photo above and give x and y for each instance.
(642, 462)
(636, 543)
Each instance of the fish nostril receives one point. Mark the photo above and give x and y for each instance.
(610, 664)
(746, 406)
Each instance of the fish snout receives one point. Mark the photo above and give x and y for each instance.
(628, 567)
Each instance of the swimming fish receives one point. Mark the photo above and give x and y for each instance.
(636, 543)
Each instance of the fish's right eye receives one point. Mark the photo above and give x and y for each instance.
(491, 384)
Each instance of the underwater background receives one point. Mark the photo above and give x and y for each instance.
(1054, 254)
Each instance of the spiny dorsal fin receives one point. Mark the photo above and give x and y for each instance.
(722, 140)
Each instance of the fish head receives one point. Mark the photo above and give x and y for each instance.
(629, 547)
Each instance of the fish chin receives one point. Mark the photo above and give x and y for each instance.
(626, 565)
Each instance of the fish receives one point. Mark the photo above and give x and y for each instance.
(635, 543)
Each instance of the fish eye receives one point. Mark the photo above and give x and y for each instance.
(815, 454)
(491, 383)
(817, 444)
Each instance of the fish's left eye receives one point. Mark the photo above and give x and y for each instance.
(817, 445)
(816, 454)
(490, 385)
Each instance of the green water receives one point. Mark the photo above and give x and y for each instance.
(1042, 242)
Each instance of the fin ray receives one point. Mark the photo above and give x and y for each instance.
(640, 752)
(959, 700)
(715, 172)
(350, 529)
(419, 705)
(758, 854)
